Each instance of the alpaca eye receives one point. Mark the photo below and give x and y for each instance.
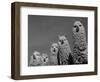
(51, 46)
(80, 25)
(75, 26)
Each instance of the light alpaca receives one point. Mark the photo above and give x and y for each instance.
(54, 54)
(35, 59)
(80, 44)
(45, 59)
(65, 53)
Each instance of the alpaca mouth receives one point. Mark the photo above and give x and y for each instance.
(44, 60)
(62, 42)
(54, 50)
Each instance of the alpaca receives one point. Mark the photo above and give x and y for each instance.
(35, 59)
(80, 44)
(54, 54)
(65, 53)
(45, 59)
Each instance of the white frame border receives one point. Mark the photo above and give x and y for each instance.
(25, 70)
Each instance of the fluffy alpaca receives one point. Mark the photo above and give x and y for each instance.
(80, 44)
(65, 53)
(45, 59)
(35, 59)
(54, 54)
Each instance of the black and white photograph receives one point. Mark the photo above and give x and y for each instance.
(50, 40)
(57, 40)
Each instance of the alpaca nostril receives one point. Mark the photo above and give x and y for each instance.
(75, 26)
(62, 42)
(77, 29)
(54, 50)
(44, 60)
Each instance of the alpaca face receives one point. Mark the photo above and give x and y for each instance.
(78, 27)
(36, 55)
(45, 58)
(35, 59)
(54, 48)
(62, 40)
